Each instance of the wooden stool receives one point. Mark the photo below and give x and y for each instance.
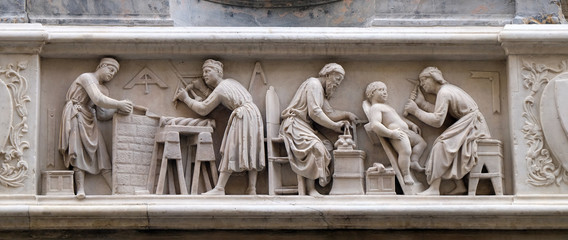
(490, 155)
(171, 151)
(204, 153)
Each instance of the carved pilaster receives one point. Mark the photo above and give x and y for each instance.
(16, 154)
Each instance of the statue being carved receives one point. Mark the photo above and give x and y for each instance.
(452, 154)
(309, 156)
(403, 134)
(242, 148)
(81, 142)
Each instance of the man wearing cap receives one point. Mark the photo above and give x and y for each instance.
(242, 148)
(80, 141)
(307, 153)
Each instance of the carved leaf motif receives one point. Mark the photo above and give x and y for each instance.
(542, 169)
(13, 168)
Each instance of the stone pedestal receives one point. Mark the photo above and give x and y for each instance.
(380, 182)
(348, 176)
(58, 183)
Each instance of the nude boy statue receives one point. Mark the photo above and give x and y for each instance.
(402, 133)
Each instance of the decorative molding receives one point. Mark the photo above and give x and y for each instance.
(14, 169)
(495, 80)
(542, 169)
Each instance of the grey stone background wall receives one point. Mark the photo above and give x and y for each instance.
(344, 13)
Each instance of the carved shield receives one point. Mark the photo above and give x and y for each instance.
(6, 112)
(554, 117)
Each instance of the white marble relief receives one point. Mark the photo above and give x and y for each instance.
(403, 134)
(13, 125)
(242, 148)
(453, 153)
(308, 153)
(81, 142)
(545, 130)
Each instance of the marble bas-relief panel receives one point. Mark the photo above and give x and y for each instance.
(19, 85)
(537, 88)
(152, 84)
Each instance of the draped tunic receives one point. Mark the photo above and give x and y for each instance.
(81, 142)
(242, 148)
(308, 155)
(453, 152)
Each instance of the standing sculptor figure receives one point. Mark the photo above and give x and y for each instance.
(308, 155)
(452, 154)
(242, 148)
(81, 142)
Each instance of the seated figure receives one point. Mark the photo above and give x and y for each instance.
(402, 133)
(308, 154)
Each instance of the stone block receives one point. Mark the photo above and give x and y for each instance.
(58, 183)
(126, 130)
(145, 131)
(123, 156)
(380, 183)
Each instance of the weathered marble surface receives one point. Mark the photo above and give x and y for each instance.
(344, 13)
(93, 12)
(437, 13)
(13, 11)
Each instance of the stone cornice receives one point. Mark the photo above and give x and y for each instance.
(471, 43)
(535, 39)
(272, 212)
(22, 38)
(381, 43)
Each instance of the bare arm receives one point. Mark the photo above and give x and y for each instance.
(89, 83)
(422, 103)
(338, 115)
(201, 108)
(435, 118)
(317, 114)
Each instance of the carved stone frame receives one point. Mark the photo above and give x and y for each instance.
(13, 167)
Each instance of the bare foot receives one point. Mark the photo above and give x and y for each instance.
(408, 180)
(416, 167)
(251, 191)
(430, 192)
(315, 193)
(80, 194)
(459, 189)
(215, 191)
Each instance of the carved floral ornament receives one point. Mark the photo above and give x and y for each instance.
(13, 99)
(543, 169)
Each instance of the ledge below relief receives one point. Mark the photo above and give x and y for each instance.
(267, 212)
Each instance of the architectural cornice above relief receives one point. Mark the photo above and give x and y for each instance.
(534, 39)
(22, 38)
(472, 43)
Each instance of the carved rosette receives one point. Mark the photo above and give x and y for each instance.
(542, 169)
(13, 168)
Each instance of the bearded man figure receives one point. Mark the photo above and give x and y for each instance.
(309, 157)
